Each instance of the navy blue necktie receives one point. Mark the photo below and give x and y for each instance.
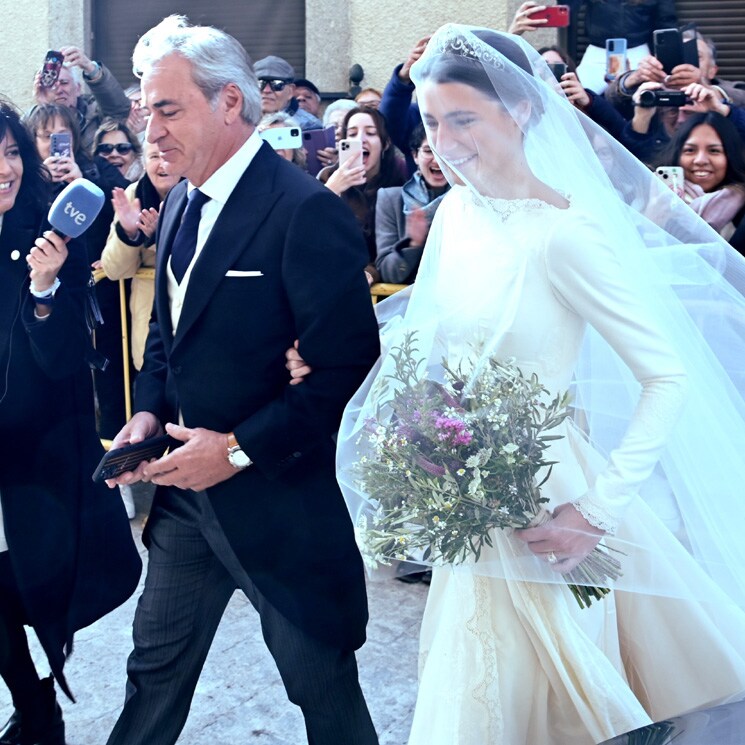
(185, 242)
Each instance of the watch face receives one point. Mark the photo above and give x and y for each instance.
(239, 459)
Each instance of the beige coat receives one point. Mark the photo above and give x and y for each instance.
(121, 261)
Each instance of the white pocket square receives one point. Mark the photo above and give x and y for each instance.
(241, 273)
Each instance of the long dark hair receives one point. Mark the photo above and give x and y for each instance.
(389, 174)
(35, 182)
(731, 143)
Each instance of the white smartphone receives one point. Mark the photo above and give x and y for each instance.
(283, 138)
(350, 150)
(673, 176)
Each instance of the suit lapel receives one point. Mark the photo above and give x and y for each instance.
(245, 211)
(176, 203)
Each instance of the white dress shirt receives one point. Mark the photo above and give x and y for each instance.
(218, 187)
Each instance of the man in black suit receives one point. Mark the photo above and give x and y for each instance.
(262, 255)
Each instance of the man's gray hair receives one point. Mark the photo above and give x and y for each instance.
(216, 59)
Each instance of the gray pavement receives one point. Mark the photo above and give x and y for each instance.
(240, 697)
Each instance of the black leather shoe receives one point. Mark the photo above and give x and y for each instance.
(43, 726)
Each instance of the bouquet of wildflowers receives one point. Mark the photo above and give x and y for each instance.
(450, 462)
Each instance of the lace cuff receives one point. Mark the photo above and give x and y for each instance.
(596, 514)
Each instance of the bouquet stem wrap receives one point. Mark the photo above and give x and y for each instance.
(588, 579)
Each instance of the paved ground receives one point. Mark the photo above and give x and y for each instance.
(240, 698)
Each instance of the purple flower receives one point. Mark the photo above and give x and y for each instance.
(453, 430)
(427, 465)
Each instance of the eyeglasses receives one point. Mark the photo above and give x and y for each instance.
(121, 147)
(275, 85)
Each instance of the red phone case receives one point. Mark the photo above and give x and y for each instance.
(557, 16)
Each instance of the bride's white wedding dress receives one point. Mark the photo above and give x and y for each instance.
(511, 662)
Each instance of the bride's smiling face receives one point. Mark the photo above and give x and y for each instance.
(472, 133)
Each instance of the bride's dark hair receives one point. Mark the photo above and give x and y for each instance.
(479, 66)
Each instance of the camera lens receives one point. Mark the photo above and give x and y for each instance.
(647, 98)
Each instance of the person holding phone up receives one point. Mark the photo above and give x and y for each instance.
(106, 99)
(633, 20)
(652, 127)
(358, 179)
(709, 150)
(651, 70)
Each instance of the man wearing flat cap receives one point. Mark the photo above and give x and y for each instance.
(277, 85)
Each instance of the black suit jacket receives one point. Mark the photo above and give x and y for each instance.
(224, 369)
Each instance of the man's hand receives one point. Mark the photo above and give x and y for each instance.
(683, 76)
(76, 57)
(523, 22)
(414, 55)
(650, 69)
(574, 90)
(568, 536)
(198, 464)
(142, 426)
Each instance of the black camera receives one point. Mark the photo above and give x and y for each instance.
(650, 99)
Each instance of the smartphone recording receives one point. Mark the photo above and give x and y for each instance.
(558, 69)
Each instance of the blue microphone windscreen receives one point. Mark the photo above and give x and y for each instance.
(76, 207)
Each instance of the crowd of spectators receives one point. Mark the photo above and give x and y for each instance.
(397, 167)
(395, 188)
(395, 185)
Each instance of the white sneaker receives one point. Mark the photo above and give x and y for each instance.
(128, 498)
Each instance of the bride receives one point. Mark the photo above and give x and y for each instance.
(593, 276)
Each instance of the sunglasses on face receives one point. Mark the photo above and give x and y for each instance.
(122, 148)
(275, 85)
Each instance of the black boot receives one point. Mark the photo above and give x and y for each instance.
(42, 725)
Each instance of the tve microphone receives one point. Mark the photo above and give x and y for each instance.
(75, 208)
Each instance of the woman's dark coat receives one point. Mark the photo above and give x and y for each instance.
(70, 542)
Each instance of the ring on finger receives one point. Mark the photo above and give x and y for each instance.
(551, 557)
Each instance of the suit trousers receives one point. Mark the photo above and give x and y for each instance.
(192, 573)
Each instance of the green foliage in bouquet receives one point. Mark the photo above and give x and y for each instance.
(451, 462)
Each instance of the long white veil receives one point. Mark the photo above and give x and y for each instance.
(688, 281)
